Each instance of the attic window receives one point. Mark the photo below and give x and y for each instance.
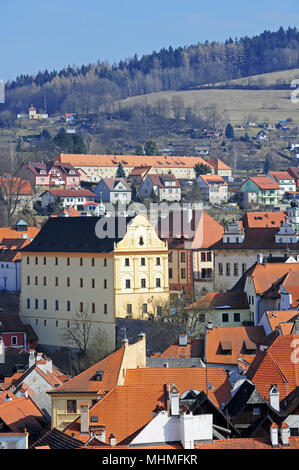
(99, 375)
(94, 419)
(226, 347)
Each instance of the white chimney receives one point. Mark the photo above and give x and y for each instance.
(84, 418)
(285, 434)
(274, 435)
(31, 357)
(260, 258)
(274, 397)
(183, 339)
(112, 440)
(174, 397)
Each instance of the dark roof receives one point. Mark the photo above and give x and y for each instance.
(56, 439)
(78, 235)
(10, 323)
(15, 358)
(30, 333)
(246, 394)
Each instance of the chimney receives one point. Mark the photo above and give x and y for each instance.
(125, 343)
(274, 397)
(31, 357)
(183, 339)
(274, 435)
(39, 356)
(174, 397)
(285, 434)
(141, 336)
(84, 418)
(112, 440)
(260, 258)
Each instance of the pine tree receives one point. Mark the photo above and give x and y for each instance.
(120, 172)
(229, 131)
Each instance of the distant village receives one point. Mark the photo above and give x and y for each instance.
(100, 306)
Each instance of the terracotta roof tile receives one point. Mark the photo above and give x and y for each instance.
(277, 317)
(264, 275)
(226, 300)
(19, 413)
(263, 219)
(264, 182)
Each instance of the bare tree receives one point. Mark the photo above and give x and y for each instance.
(77, 333)
(12, 197)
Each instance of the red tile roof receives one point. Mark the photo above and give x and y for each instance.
(71, 192)
(213, 179)
(264, 275)
(263, 219)
(194, 348)
(218, 164)
(277, 317)
(226, 300)
(236, 339)
(281, 175)
(277, 365)
(247, 443)
(20, 413)
(16, 186)
(264, 182)
(8, 232)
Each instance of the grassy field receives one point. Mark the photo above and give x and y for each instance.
(268, 79)
(236, 106)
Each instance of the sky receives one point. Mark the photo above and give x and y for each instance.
(52, 34)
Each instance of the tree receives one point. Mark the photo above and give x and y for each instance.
(139, 150)
(201, 169)
(150, 148)
(120, 172)
(11, 197)
(229, 131)
(269, 164)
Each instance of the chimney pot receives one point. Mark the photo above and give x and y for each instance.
(84, 418)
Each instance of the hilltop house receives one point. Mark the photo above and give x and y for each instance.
(260, 190)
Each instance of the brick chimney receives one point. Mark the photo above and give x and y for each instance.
(84, 418)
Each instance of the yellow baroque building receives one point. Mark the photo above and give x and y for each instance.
(69, 270)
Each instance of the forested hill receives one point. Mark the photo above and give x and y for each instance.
(88, 88)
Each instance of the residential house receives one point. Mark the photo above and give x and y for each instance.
(262, 136)
(163, 393)
(68, 197)
(260, 190)
(113, 190)
(237, 251)
(51, 173)
(214, 188)
(228, 346)
(10, 263)
(16, 440)
(105, 166)
(138, 174)
(294, 174)
(284, 180)
(14, 333)
(280, 321)
(223, 308)
(220, 168)
(20, 231)
(32, 114)
(165, 187)
(119, 269)
(93, 384)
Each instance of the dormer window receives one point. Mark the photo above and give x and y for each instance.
(99, 375)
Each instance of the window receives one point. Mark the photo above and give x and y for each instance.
(68, 261)
(203, 256)
(81, 281)
(93, 283)
(36, 260)
(220, 269)
(158, 282)
(170, 274)
(36, 304)
(68, 282)
(105, 261)
(128, 283)
(56, 323)
(170, 257)
(228, 269)
(237, 317)
(183, 273)
(144, 308)
(45, 304)
(105, 309)
(28, 280)
(44, 281)
(127, 262)
(142, 261)
(209, 256)
(56, 261)
(27, 259)
(243, 268)
(256, 411)
(225, 317)
(28, 303)
(158, 261)
(45, 322)
(68, 305)
(14, 340)
(143, 283)
(56, 281)
(236, 269)
(183, 257)
(93, 307)
(81, 307)
(129, 309)
(56, 305)
(92, 261)
(45, 260)
(81, 261)
(105, 283)
(71, 406)
(141, 241)
(36, 321)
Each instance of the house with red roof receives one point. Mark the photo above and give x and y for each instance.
(166, 187)
(68, 197)
(214, 188)
(284, 180)
(280, 321)
(113, 190)
(260, 190)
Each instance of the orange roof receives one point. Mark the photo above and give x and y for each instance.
(263, 219)
(264, 182)
(277, 317)
(194, 348)
(126, 409)
(218, 164)
(67, 212)
(291, 285)
(281, 175)
(131, 160)
(225, 345)
(8, 232)
(20, 412)
(277, 365)
(85, 382)
(264, 275)
(208, 232)
(226, 300)
(247, 443)
(213, 179)
(15, 185)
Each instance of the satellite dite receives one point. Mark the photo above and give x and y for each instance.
(2, 94)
